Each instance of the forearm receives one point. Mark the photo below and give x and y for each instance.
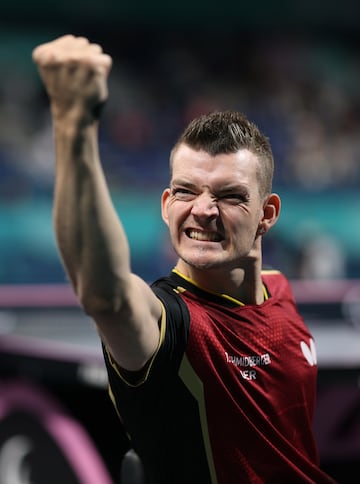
(89, 234)
(91, 240)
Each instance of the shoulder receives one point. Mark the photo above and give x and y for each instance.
(277, 283)
(177, 317)
(167, 291)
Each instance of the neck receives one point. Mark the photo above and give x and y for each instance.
(243, 284)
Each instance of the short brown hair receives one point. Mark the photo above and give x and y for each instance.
(228, 132)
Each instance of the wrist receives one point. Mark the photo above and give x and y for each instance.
(75, 135)
(76, 117)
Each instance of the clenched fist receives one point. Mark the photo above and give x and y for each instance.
(74, 72)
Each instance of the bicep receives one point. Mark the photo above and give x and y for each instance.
(132, 334)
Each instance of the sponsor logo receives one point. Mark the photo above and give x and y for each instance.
(247, 364)
(309, 351)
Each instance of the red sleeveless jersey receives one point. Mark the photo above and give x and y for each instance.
(229, 397)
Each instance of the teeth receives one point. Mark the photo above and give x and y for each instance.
(205, 236)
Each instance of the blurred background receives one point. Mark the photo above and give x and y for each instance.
(294, 69)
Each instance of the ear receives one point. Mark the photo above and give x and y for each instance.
(271, 213)
(164, 205)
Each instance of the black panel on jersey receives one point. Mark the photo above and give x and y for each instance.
(160, 415)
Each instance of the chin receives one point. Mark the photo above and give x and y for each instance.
(203, 264)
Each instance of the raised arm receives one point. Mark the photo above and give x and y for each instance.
(90, 237)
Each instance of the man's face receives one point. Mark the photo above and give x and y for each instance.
(213, 207)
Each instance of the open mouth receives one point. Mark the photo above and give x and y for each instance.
(203, 236)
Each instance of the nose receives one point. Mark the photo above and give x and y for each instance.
(205, 205)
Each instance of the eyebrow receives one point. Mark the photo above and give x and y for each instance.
(243, 188)
(183, 183)
(223, 190)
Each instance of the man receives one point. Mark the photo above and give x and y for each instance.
(209, 368)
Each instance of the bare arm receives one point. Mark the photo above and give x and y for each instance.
(89, 234)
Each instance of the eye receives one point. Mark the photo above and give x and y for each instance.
(183, 194)
(233, 198)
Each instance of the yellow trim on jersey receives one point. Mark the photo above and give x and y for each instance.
(266, 295)
(195, 386)
(112, 398)
(270, 271)
(149, 364)
(225, 296)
